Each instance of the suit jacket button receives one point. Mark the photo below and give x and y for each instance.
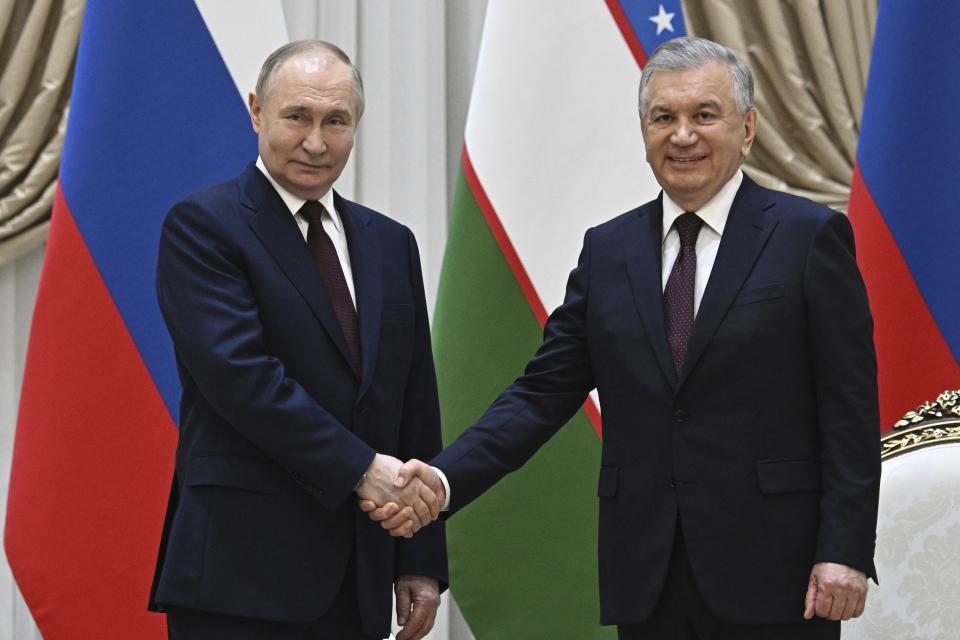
(679, 415)
(673, 483)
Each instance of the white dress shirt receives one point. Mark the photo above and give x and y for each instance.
(714, 215)
(331, 221)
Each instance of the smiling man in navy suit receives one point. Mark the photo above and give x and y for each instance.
(727, 331)
(303, 347)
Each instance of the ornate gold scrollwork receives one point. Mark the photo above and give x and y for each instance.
(931, 423)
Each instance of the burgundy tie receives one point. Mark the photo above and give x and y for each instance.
(328, 264)
(678, 295)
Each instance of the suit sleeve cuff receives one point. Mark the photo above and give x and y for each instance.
(446, 488)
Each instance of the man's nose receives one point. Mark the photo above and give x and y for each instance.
(314, 142)
(684, 134)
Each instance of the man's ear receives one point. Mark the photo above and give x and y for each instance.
(750, 131)
(254, 104)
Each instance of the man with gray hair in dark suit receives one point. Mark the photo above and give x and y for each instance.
(727, 330)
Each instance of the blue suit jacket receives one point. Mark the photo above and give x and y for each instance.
(765, 448)
(276, 427)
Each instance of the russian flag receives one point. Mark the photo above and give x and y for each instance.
(905, 202)
(156, 113)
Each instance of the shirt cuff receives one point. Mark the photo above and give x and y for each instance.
(446, 486)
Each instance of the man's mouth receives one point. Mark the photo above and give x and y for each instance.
(310, 165)
(685, 159)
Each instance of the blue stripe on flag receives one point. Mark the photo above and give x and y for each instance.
(641, 14)
(154, 116)
(908, 151)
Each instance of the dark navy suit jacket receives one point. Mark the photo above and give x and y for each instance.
(276, 427)
(765, 448)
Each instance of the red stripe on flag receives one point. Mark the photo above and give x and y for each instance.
(623, 23)
(92, 458)
(513, 259)
(915, 363)
(500, 234)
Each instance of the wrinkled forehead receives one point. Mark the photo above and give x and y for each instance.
(311, 62)
(313, 71)
(710, 82)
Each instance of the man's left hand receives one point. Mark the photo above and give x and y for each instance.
(835, 592)
(417, 600)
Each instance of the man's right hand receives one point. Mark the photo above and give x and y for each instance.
(416, 504)
(397, 518)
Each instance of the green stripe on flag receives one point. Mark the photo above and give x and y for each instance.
(523, 556)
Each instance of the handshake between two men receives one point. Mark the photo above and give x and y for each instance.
(402, 497)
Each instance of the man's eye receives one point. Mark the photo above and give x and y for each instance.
(296, 117)
(663, 118)
(704, 116)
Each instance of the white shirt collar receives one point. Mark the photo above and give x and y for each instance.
(295, 202)
(714, 214)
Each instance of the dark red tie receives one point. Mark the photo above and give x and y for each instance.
(328, 264)
(678, 295)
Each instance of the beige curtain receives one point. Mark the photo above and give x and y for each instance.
(809, 59)
(38, 43)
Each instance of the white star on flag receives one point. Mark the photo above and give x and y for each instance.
(663, 20)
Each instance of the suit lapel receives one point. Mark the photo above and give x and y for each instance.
(279, 233)
(744, 236)
(642, 246)
(366, 264)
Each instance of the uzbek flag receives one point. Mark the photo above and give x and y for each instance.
(157, 112)
(552, 147)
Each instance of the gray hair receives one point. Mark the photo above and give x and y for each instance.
(683, 54)
(276, 59)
